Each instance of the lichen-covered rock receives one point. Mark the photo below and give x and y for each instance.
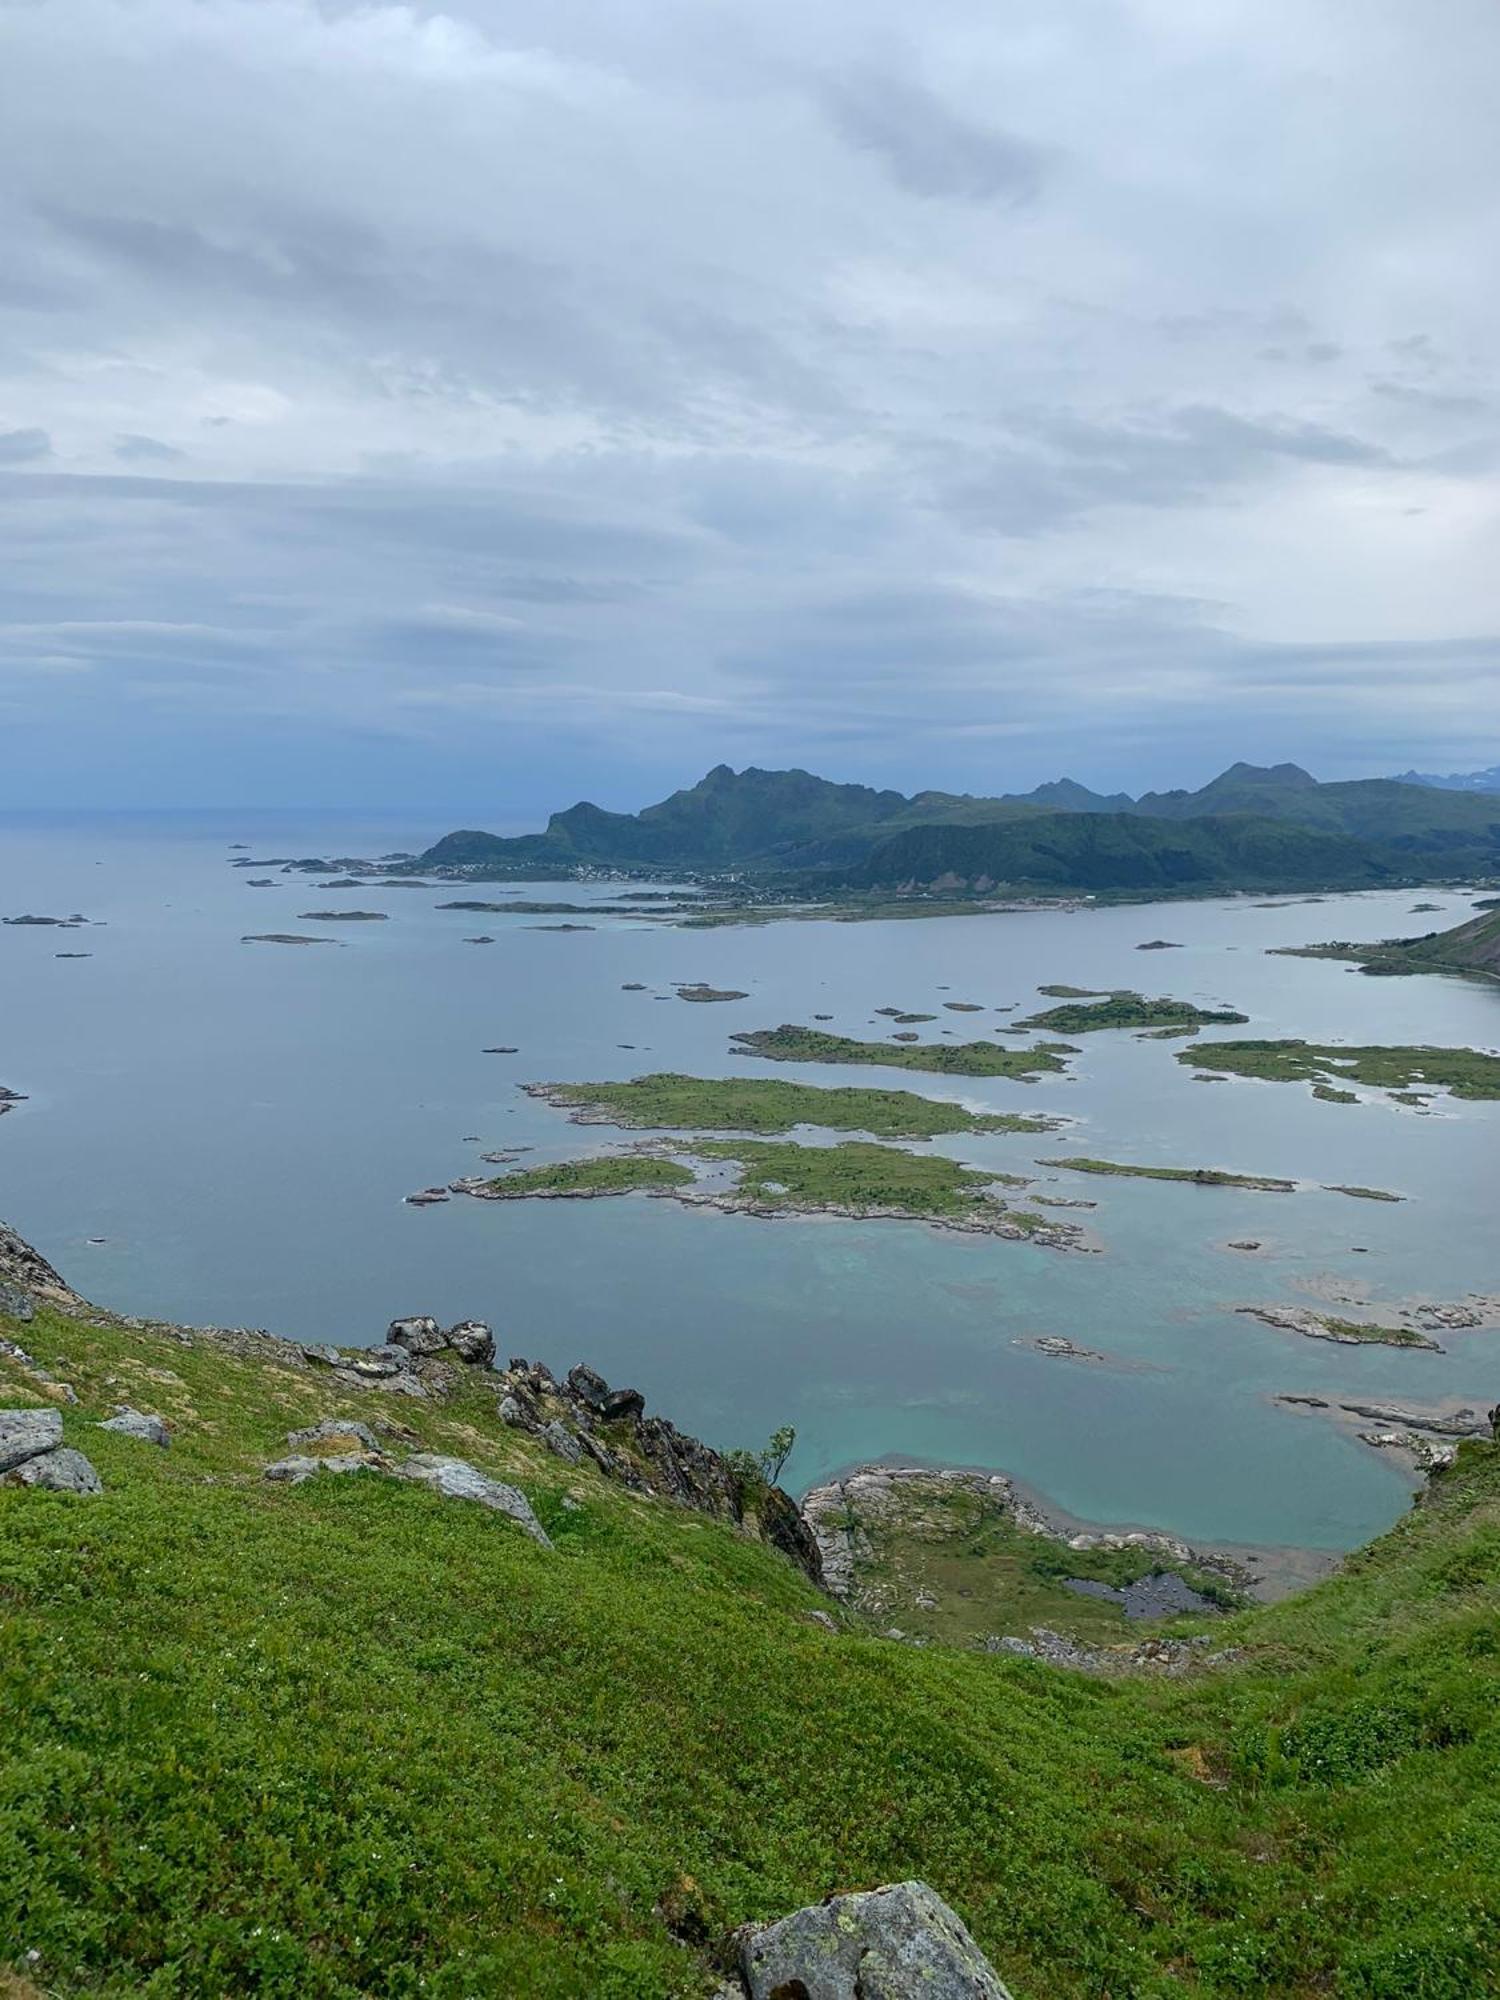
(383, 1361)
(473, 1342)
(456, 1479)
(27, 1434)
(60, 1471)
(557, 1437)
(419, 1336)
(136, 1424)
(292, 1471)
(335, 1427)
(896, 1943)
(16, 1304)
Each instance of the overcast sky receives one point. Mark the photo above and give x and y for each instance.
(537, 398)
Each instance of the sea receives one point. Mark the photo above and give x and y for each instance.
(225, 1132)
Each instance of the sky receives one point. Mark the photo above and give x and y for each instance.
(522, 400)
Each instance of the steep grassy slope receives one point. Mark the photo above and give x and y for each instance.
(1119, 851)
(349, 1738)
(1471, 949)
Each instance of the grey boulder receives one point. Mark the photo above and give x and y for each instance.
(60, 1471)
(292, 1471)
(15, 1303)
(27, 1434)
(456, 1479)
(419, 1336)
(383, 1361)
(472, 1341)
(136, 1424)
(335, 1427)
(557, 1437)
(897, 1943)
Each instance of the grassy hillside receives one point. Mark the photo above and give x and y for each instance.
(1119, 851)
(349, 1738)
(1470, 949)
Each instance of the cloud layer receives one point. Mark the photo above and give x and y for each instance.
(517, 400)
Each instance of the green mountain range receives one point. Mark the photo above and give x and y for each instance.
(1251, 827)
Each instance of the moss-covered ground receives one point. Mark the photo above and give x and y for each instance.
(1464, 1072)
(1129, 1010)
(957, 1568)
(1196, 1176)
(856, 1177)
(607, 1173)
(670, 1102)
(351, 1739)
(793, 1044)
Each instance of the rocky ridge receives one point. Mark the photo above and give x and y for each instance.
(580, 1417)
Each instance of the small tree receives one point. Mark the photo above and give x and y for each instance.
(778, 1450)
(763, 1468)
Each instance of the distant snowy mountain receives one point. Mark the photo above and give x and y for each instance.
(1456, 781)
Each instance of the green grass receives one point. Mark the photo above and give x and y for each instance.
(856, 1177)
(1469, 950)
(1128, 1010)
(955, 1567)
(671, 1102)
(1198, 1176)
(792, 1044)
(1371, 1333)
(348, 1739)
(1464, 1072)
(613, 1173)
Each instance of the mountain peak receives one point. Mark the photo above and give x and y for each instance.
(1265, 774)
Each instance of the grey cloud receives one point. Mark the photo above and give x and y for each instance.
(641, 395)
(1058, 466)
(1441, 402)
(22, 447)
(928, 148)
(133, 449)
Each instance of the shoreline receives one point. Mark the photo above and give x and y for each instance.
(1265, 1571)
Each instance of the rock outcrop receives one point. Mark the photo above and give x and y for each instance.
(456, 1479)
(841, 1514)
(60, 1471)
(30, 1273)
(902, 1942)
(32, 1453)
(26, 1433)
(580, 1418)
(136, 1424)
(583, 1417)
(453, 1478)
(1171, 1657)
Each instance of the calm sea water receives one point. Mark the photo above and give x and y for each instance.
(238, 1124)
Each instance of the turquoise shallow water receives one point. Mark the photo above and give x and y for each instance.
(239, 1124)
